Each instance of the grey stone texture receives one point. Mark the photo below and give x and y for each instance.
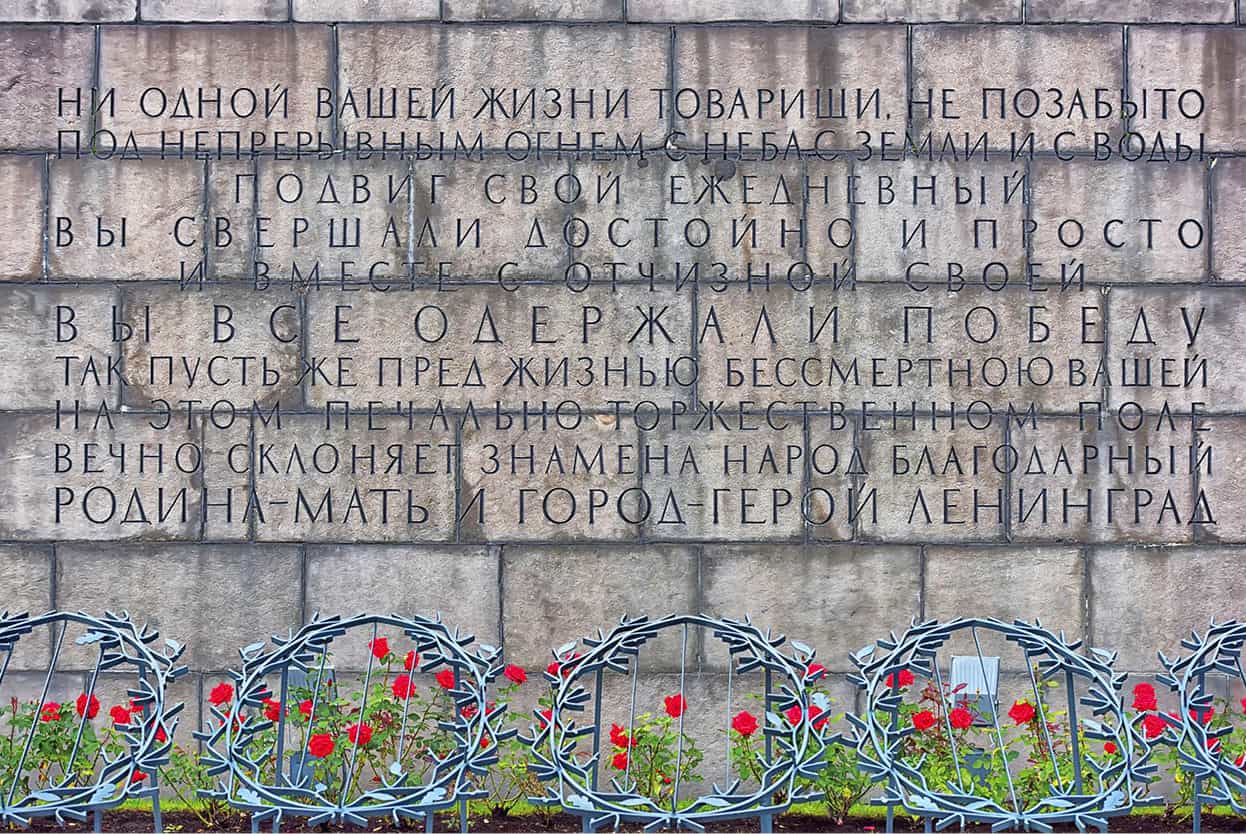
(849, 57)
(1205, 58)
(475, 57)
(160, 202)
(289, 59)
(221, 11)
(34, 62)
(218, 577)
(21, 249)
(970, 59)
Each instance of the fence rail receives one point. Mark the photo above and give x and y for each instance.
(404, 757)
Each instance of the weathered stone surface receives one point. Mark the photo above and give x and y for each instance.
(365, 10)
(1133, 590)
(117, 497)
(704, 207)
(692, 11)
(831, 502)
(1120, 194)
(950, 232)
(309, 209)
(1216, 318)
(291, 59)
(64, 689)
(459, 583)
(231, 208)
(551, 10)
(757, 334)
(222, 11)
(493, 330)
(519, 211)
(241, 594)
(1126, 504)
(970, 59)
(1223, 484)
(932, 11)
(1130, 11)
(381, 484)
(853, 58)
(227, 462)
(728, 486)
(555, 594)
(26, 577)
(1028, 583)
(69, 11)
(151, 197)
(933, 486)
(1228, 250)
(38, 379)
(34, 62)
(220, 342)
(836, 598)
(1210, 59)
(475, 57)
(535, 487)
(21, 246)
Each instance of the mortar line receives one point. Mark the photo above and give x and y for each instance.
(500, 579)
(45, 244)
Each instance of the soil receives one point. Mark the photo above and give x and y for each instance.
(181, 821)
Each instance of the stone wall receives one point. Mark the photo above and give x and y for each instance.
(219, 580)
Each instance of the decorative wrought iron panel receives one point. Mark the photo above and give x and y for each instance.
(274, 764)
(793, 752)
(916, 756)
(125, 762)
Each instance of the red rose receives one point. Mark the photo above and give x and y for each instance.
(619, 761)
(137, 776)
(557, 665)
(469, 711)
(222, 693)
(675, 705)
(515, 673)
(547, 715)
(1153, 725)
(320, 745)
(403, 687)
(1109, 748)
(51, 711)
(160, 735)
(815, 670)
(359, 734)
(380, 647)
(618, 736)
(1241, 760)
(744, 723)
(1144, 697)
(1022, 712)
(1244, 703)
(793, 714)
(90, 708)
(305, 708)
(412, 660)
(961, 718)
(923, 720)
(906, 679)
(120, 715)
(1208, 714)
(446, 678)
(272, 709)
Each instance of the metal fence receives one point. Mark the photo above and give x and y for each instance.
(407, 758)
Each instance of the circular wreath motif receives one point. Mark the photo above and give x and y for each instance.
(880, 734)
(800, 748)
(121, 644)
(476, 727)
(1202, 755)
